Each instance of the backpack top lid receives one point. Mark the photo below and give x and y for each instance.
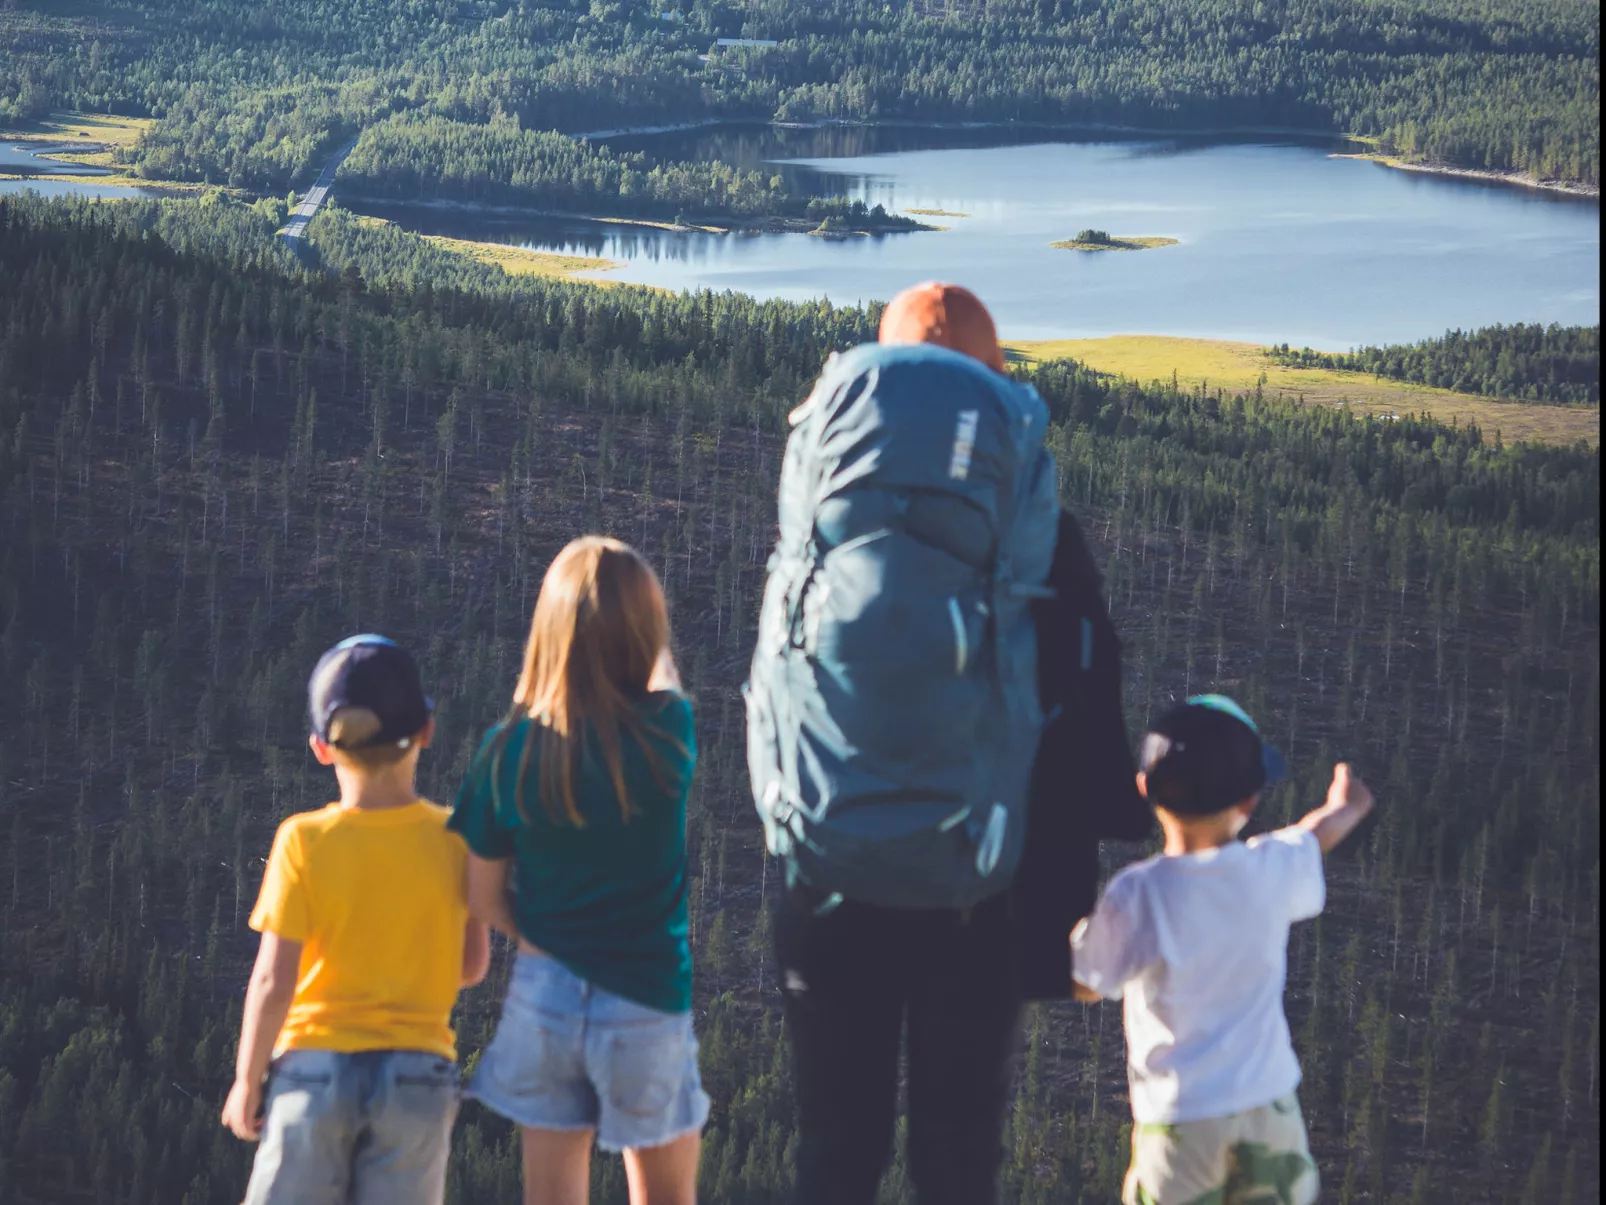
(911, 365)
(904, 426)
(885, 409)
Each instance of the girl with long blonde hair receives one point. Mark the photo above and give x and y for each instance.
(575, 816)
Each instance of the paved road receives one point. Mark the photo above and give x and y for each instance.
(316, 195)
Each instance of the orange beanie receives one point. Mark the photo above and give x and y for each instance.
(947, 315)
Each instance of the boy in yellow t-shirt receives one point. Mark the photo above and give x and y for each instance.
(366, 939)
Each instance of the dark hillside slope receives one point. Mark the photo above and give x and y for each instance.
(212, 464)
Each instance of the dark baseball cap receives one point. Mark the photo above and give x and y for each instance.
(373, 673)
(1205, 755)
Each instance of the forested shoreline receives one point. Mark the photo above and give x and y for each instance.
(215, 460)
(256, 96)
(413, 158)
(1524, 361)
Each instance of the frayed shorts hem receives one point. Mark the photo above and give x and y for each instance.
(616, 1148)
(612, 1143)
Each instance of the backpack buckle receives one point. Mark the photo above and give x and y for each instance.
(991, 847)
(777, 815)
(987, 836)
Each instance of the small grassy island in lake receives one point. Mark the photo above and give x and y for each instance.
(1102, 240)
(839, 217)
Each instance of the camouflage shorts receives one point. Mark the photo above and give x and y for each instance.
(1259, 1157)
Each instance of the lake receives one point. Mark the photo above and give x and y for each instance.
(28, 157)
(75, 188)
(1278, 240)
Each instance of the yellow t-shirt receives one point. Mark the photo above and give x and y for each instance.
(376, 899)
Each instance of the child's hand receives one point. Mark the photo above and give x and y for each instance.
(1349, 800)
(1349, 791)
(242, 1112)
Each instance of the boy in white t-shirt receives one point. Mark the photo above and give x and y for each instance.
(1195, 941)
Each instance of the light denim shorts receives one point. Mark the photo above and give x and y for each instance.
(372, 1128)
(570, 1056)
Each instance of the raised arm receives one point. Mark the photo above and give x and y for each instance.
(1349, 801)
(489, 901)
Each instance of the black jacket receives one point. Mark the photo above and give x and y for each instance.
(1082, 785)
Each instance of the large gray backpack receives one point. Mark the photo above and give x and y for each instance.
(892, 708)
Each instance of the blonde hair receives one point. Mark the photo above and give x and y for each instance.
(356, 725)
(599, 628)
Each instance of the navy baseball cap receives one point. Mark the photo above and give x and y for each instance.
(373, 673)
(1205, 755)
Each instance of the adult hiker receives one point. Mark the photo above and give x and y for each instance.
(1084, 786)
(893, 719)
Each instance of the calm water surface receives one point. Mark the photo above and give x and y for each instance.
(74, 188)
(1278, 242)
(28, 157)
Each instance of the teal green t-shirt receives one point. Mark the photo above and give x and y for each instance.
(608, 899)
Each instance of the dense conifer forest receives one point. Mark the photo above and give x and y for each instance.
(258, 93)
(215, 459)
(1526, 361)
(430, 158)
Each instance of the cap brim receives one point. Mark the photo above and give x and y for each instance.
(1274, 764)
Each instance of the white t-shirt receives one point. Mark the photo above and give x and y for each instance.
(1197, 946)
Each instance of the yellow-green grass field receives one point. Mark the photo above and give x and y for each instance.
(1238, 367)
(937, 213)
(103, 136)
(81, 127)
(520, 261)
(1118, 242)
